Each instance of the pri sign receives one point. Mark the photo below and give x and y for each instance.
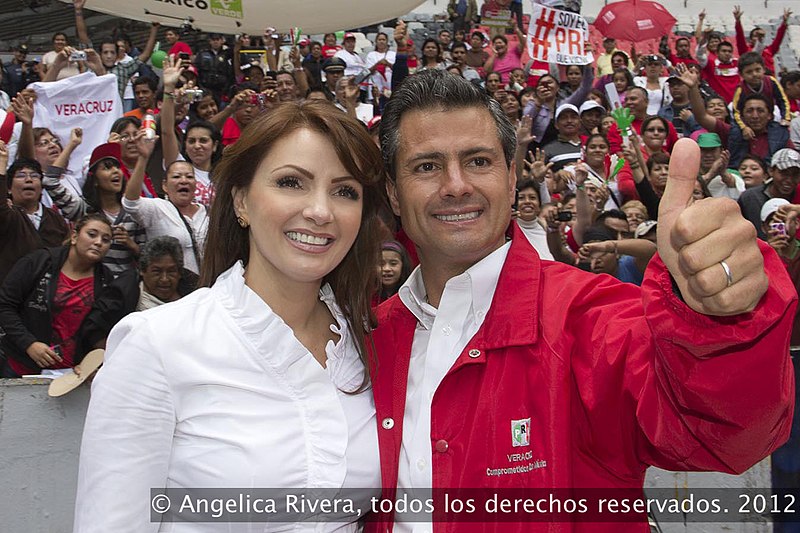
(558, 36)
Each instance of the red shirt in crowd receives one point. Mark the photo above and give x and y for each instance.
(180, 47)
(722, 77)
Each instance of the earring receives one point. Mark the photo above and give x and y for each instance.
(242, 222)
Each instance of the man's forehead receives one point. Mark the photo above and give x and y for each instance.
(423, 129)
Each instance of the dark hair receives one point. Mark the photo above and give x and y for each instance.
(156, 247)
(750, 58)
(599, 232)
(91, 217)
(595, 136)
(724, 43)
(194, 105)
(458, 44)
(659, 158)
(652, 118)
(501, 37)
(756, 96)
(477, 33)
(755, 29)
(439, 90)
(38, 132)
(566, 197)
(56, 34)
(405, 267)
(19, 164)
(529, 184)
(627, 73)
(216, 137)
(108, 40)
(611, 213)
(793, 76)
(145, 80)
(354, 280)
(642, 90)
(760, 161)
(620, 53)
(438, 50)
(89, 190)
(123, 122)
(682, 39)
(602, 96)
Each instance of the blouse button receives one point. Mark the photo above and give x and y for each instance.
(442, 446)
(387, 423)
(474, 354)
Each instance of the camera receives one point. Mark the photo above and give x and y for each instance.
(258, 99)
(77, 55)
(193, 95)
(183, 56)
(564, 216)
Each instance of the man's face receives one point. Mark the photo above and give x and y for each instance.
(444, 38)
(682, 48)
(635, 101)
(679, 91)
(784, 182)
(568, 124)
(713, 44)
(145, 97)
(459, 55)
(603, 262)
(609, 45)
(452, 189)
(20, 55)
(476, 41)
(618, 226)
(591, 119)
(758, 35)
(287, 89)
(171, 37)
(708, 156)
(108, 54)
(350, 44)
(725, 53)
(215, 43)
(316, 51)
(753, 74)
(756, 115)
(26, 187)
(332, 77)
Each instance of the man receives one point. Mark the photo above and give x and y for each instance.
(19, 72)
(624, 259)
(769, 136)
(784, 176)
(721, 70)
(714, 172)
(682, 51)
(124, 70)
(604, 63)
(462, 13)
(488, 355)
(214, 68)
(790, 81)
(176, 46)
(144, 91)
(757, 36)
(680, 102)
(459, 55)
(566, 149)
(445, 40)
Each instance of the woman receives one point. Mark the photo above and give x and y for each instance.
(574, 76)
(57, 304)
(718, 108)
(528, 211)
(654, 136)
(163, 277)
(380, 62)
(505, 58)
(205, 108)
(542, 109)
(224, 387)
(636, 213)
(600, 98)
(46, 149)
(202, 143)
(619, 60)
(125, 131)
(329, 48)
(598, 164)
(431, 55)
(654, 83)
(102, 193)
(511, 108)
(394, 268)
(493, 84)
(179, 216)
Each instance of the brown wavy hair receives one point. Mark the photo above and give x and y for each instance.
(354, 281)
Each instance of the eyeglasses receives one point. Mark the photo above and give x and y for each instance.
(655, 130)
(47, 142)
(127, 138)
(26, 175)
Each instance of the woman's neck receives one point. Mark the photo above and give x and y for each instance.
(109, 201)
(75, 267)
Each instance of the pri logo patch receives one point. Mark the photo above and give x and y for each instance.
(520, 432)
(227, 8)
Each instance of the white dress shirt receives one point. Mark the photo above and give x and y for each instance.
(440, 337)
(214, 390)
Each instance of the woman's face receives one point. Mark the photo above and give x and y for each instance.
(59, 42)
(330, 39)
(697, 193)
(618, 62)
(304, 213)
(620, 81)
(751, 173)
(574, 76)
(492, 83)
(180, 184)
(596, 151)
(430, 51)
(717, 108)
(47, 149)
(128, 144)
(381, 43)
(391, 268)
(526, 98)
(606, 124)
(171, 37)
(546, 88)
(511, 107)
(635, 217)
(108, 176)
(92, 242)
(654, 135)
(528, 204)
(200, 146)
(658, 178)
(207, 107)
(161, 278)
(316, 51)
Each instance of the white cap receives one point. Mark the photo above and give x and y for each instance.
(770, 206)
(644, 228)
(566, 107)
(590, 104)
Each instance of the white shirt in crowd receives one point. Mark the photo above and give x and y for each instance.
(656, 98)
(160, 217)
(355, 63)
(214, 390)
(440, 337)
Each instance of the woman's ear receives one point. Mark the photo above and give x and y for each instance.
(240, 203)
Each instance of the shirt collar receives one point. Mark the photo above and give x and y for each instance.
(480, 279)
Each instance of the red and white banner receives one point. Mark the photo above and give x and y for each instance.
(557, 36)
(84, 101)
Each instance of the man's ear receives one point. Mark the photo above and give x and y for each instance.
(512, 183)
(391, 192)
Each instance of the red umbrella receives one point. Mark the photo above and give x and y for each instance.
(634, 20)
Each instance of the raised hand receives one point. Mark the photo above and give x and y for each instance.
(708, 247)
(737, 12)
(537, 166)
(22, 109)
(172, 71)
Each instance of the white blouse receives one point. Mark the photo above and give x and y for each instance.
(214, 390)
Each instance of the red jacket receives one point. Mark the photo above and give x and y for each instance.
(768, 53)
(613, 378)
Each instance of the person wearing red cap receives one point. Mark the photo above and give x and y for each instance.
(355, 63)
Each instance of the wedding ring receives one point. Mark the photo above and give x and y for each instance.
(727, 270)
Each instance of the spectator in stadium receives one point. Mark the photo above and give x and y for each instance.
(684, 123)
(459, 54)
(682, 51)
(25, 225)
(566, 148)
(757, 36)
(57, 304)
(756, 81)
(431, 55)
(329, 47)
(636, 101)
(380, 62)
(542, 110)
(714, 172)
(176, 46)
(784, 176)
(619, 60)
(244, 107)
(334, 70)
(19, 72)
(102, 193)
(635, 212)
(592, 114)
(125, 131)
(506, 58)
(214, 67)
(753, 171)
(462, 13)
(163, 277)
(59, 41)
(124, 71)
(445, 39)
(312, 64)
(272, 307)
(144, 90)
(394, 268)
(654, 83)
(654, 132)
(355, 65)
(527, 217)
(720, 69)
(476, 55)
(606, 63)
(574, 75)
(624, 259)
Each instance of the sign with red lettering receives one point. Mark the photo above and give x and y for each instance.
(85, 101)
(558, 36)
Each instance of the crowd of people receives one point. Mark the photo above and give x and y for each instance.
(261, 141)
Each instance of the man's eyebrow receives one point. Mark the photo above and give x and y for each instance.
(462, 154)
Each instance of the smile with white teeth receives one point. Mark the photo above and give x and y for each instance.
(460, 217)
(307, 239)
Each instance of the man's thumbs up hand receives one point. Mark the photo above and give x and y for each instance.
(698, 240)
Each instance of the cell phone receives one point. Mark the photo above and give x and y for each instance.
(778, 227)
(77, 55)
(564, 216)
(57, 349)
(271, 74)
(183, 56)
